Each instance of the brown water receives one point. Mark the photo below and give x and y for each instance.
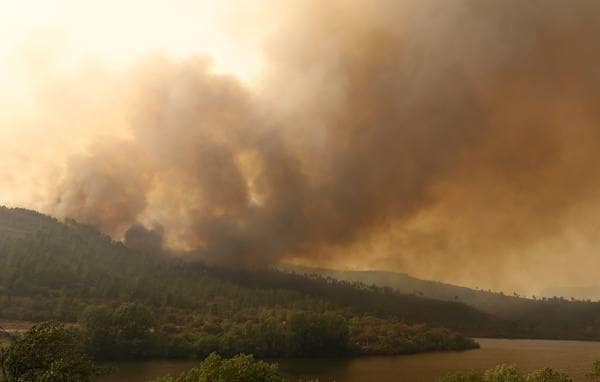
(572, 357)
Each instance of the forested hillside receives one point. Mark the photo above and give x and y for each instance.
(69, 264)
(50, 269)
(496, 303)
(71, 272)
(539, 317)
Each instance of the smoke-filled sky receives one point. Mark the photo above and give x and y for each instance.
(452, 140)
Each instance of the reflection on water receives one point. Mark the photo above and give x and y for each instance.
(573, 357)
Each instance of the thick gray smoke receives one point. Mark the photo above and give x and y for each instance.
(467, 132)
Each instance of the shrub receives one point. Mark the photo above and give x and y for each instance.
(49, 352)
(241, 368)
(463, 376)
(503, 373)
(547, 375)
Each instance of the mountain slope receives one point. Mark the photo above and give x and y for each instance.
(50, 269)
(539, 318)
(494, 303)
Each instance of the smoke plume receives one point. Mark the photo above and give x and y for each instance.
(453, 140)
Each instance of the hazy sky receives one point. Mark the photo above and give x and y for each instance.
(453, 140)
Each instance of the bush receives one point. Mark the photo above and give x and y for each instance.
(547, 375)
(463, 376)
(241, 368)
(503, 373)
(49, 352)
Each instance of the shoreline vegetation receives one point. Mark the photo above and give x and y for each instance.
(244, 368)
(51, 351)
(510, 373)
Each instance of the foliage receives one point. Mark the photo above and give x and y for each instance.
(463, 376)
(48, 353)
(314, 335)
(241, 368)
(51, 270)
(504, 373)
(4, 346)
(371, 335)
(267, 333)
(547, 375)
(153, 305)
(121, 333)
(594, 374)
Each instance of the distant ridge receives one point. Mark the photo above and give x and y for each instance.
(488, 301)
(541, 312)
(578, 292)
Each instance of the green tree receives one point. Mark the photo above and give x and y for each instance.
(462, 376)
(48, 352)
(97, 324)
(241, 368)
(503, 373)
(133, 324)
(121, 333)
(3, 351)
(317, 335)
(4, 345)
(594, 374)
(547, 375)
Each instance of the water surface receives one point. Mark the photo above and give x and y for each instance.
(572, 357)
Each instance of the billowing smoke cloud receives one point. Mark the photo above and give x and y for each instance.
(456, 140)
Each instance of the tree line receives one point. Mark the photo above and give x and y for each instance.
(510, 373)
(134, 331)
(50, 352)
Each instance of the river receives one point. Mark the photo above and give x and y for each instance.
(572, 357)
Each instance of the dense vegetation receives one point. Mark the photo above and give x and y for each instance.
(504, 373)
(69, 272)
(50, 352)
(53, 270)
(131, 331)
(47, 353)
(536, 317)
(241, 368)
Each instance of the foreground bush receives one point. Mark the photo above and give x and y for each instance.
(547, 375)
(48, 352)
(504, 373)
(463, 376)
(241, 368)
